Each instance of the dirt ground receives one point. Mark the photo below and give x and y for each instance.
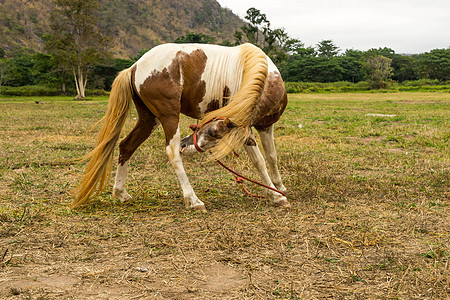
(369, 217)
(242, 253)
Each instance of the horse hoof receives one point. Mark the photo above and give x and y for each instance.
(201, 208)
(122, 196)
(283, 204)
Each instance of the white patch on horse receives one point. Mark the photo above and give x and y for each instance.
(119, 191)
(158, 59)
(189, 150)
(271, 68)
(222, 70)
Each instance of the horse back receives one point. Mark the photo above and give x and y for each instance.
(200, 77)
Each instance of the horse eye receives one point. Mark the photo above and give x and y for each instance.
(212, 133)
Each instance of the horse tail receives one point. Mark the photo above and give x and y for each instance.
(98, 170)
(254, 66)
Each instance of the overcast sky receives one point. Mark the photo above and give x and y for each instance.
(407, 26)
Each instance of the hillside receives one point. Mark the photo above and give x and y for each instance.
(134, 24)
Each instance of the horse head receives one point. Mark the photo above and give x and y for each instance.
(205, 136)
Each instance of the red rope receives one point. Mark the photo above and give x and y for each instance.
(240, 179)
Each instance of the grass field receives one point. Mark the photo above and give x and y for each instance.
(369, 219)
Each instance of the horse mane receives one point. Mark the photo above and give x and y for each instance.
(253, 63)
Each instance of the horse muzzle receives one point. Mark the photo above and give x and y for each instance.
(187, 147)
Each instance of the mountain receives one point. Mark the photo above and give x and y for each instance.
(134, 25)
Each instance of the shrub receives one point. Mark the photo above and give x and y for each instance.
(330, 87)
(29, 90)
(421, 82)
(36, 90)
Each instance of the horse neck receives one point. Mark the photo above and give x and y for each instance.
(224, 71)
(251, 67)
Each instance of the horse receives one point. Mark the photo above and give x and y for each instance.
(230, 90)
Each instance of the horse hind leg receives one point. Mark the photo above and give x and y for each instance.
(145, 125)
(119, 191)
(267, 142)
(260, 165)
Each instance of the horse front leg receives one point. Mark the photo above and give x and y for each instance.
(260, 165)
(267, 141)
(173, 152)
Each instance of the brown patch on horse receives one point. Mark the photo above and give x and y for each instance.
(272, 103)
(226, 96)
(160, 93)
(160, 86)
(142, 130)
(215, 104)
(194, 88)
(163, 94)
(250, 142)
(212, 105)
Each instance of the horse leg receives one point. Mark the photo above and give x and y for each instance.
(173, 152)
(145, 125)
(119, 190)
(268, 145)
(258, 161)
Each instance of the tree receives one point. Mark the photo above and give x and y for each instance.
(386, 52)
(75, 40)
(403, 66)
(21, 72)
(356, 54)
(227, 43)
(435, 64)
(5, 65)
(257, 22)
(238, 36)
(327, 69)
(192, 37)
(306, 66)
(351, 62)
(274, 42)
(351, 68)
(326, 48)
(293, 46)
(378, 69)
(104, 74)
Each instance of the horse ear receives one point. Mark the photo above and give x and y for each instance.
(250, 142)
(228, 123)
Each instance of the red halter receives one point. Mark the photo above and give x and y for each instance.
(197, 147)
(195, 128)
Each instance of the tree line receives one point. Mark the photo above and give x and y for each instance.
(327, 63)
(76, 52)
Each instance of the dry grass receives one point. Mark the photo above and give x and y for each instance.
(370, 216)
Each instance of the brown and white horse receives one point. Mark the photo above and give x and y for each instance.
(229, 89)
